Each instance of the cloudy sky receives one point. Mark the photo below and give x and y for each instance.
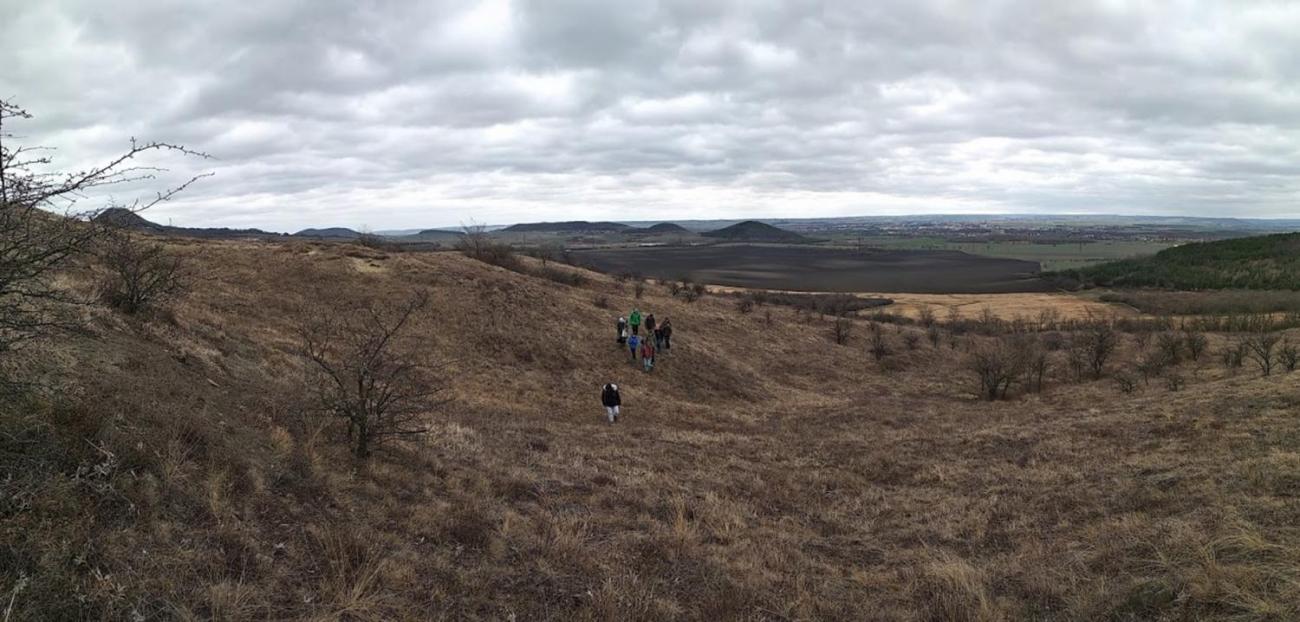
(387, 114)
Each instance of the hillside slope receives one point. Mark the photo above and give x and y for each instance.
(1260, 262)
(761, 472)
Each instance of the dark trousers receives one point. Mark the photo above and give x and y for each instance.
(668, 342)
(636, 329)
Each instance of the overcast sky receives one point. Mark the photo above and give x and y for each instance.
(410, 114)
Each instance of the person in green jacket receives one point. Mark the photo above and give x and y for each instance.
(634, 321)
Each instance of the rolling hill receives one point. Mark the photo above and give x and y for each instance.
(329, 232)
(1259, 262)
(180, 467)
(754, 231)
(125, 218)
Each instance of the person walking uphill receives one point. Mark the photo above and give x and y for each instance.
(634, 321)
(650, 324)
(647, 354)
(667, 330)
(622, 330)
(611, 400)
(632, 343)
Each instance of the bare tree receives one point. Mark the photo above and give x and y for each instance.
(41, 227)
(1260, 350)
(996, 366)
(1098, 343)
(367, 377)
(925, 317)
(141, 273)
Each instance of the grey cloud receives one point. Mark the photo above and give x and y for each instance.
(431, 113)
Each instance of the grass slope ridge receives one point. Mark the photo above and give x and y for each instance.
(1259, 262)
(761, 472)
(754, 231)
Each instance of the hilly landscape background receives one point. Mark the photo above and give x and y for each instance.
(175, 467)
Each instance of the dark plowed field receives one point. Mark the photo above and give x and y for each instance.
(806, 268)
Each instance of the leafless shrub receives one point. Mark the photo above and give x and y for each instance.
(933, 335)
(878, 344)
(638, 289)
(141, 273)
(1260, 349)
(476, 243)
(925, 317)
(1170, 346)
(1195, 343)
(1097, 343)
(1125, 381)
(1233, 354)
(1152, 365)
(40, 229)
(377, 242)
(1036, 362)
(911, 340)
(367, 375)
(1288, 356)
(1175, 382)
(600, 302)
(841, 330)
(996, 366)
(745, 305)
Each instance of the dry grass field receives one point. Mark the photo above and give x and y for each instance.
(761, 472)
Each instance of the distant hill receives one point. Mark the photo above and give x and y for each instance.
(1259, 262)
(754, 231)
(572, 226)
(122, 217)
(664, 228)
(331, 232)
(125, 218)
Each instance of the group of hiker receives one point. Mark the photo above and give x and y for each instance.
(658, 337)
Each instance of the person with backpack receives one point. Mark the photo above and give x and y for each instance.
(667, 330)
(611, 400)
(649, 324)
(659, 338)
(632, 343)
(634, 321)
(622, 331)
(647, 354)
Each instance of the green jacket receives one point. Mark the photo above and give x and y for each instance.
(634, 319)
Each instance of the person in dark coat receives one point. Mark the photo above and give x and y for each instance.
(667, 329)
(611, 400)
(650, 324)
(622, 331)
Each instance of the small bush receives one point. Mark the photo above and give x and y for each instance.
(841, 330)
(141, 274)
(745, 305)
(911, 340)
(1288, 355)
(1125, 381)
(1194, 343)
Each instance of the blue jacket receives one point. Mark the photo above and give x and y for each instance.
(633, 342)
